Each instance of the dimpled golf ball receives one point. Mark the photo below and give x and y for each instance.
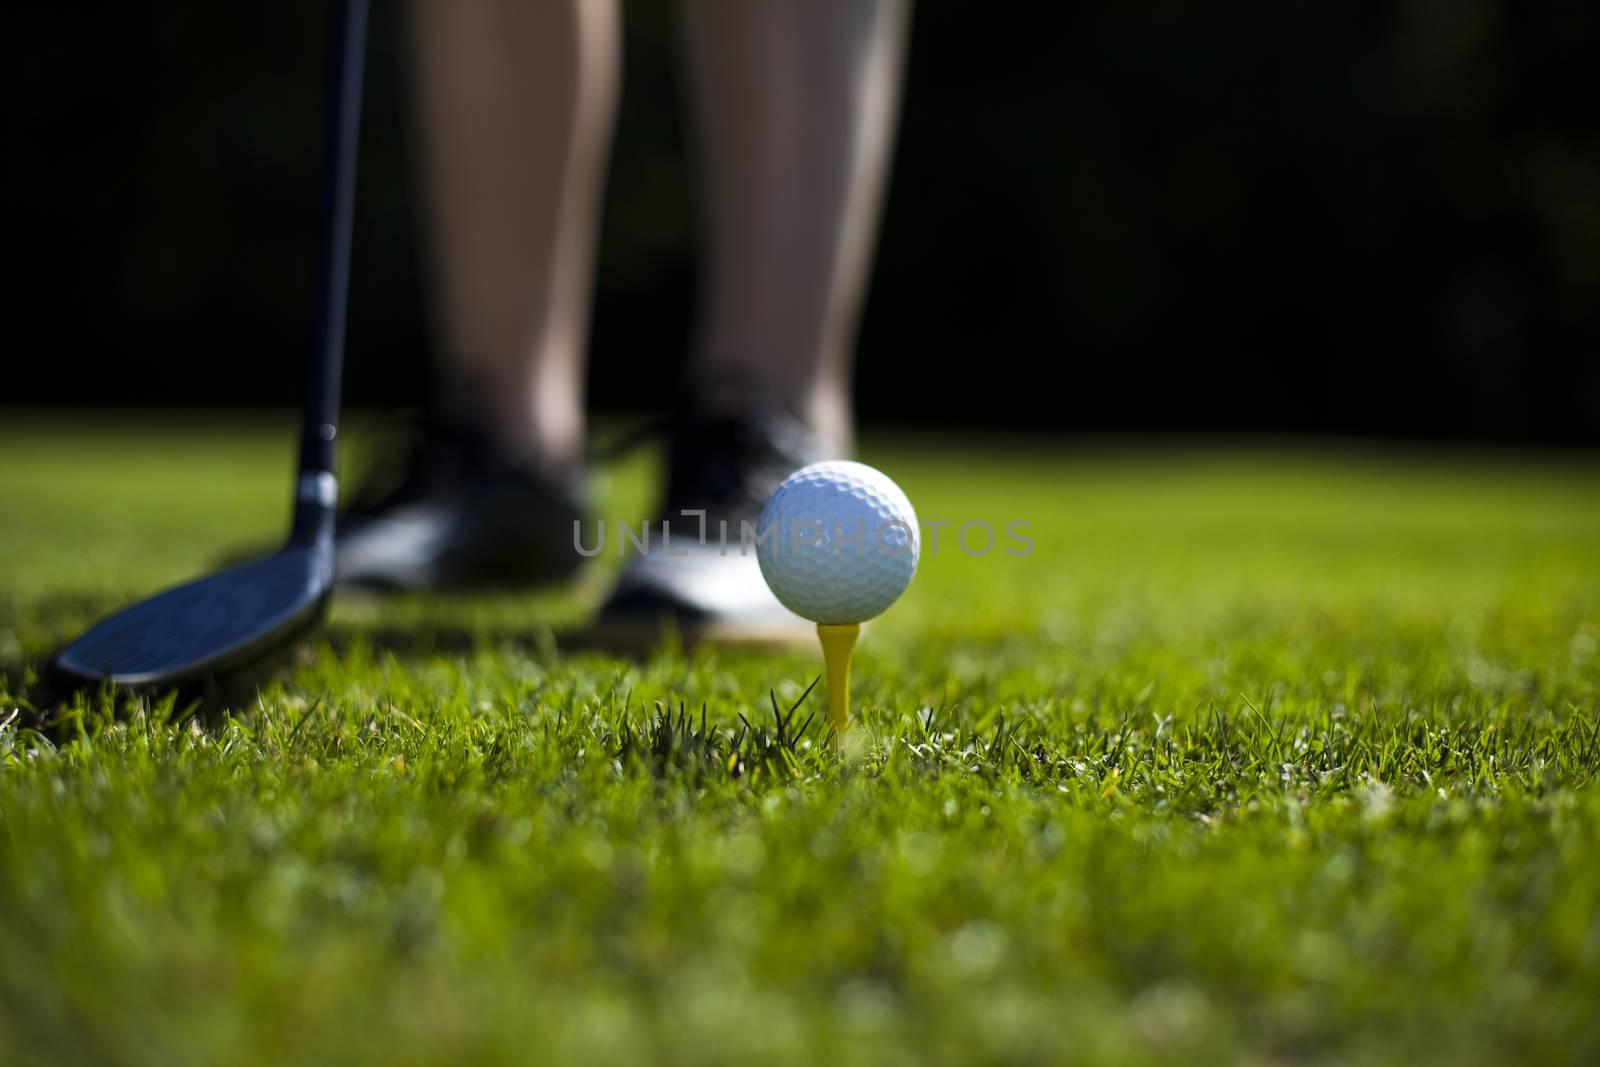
(839, 542)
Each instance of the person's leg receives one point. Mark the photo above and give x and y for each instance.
(793, 105)
(515, 102)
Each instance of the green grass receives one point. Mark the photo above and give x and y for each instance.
(1259, 757)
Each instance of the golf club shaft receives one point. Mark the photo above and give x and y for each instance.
(316, 491)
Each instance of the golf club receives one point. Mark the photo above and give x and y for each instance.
(226, 620)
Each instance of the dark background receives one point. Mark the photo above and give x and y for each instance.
(1360, 218)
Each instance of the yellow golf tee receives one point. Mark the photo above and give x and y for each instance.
(838, 641)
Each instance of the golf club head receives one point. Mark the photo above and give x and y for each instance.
(206, 627)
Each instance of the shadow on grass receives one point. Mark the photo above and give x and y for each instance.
(640, 642)
(410, 628)
(58, 708)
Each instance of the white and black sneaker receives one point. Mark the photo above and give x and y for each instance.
(461, 512)
(702, 586)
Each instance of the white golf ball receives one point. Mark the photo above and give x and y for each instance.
(839, 542)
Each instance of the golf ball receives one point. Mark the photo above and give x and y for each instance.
(838, 542)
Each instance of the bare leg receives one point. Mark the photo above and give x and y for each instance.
(515, 102)
(793, 104)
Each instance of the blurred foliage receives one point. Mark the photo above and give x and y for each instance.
(1369, 217)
